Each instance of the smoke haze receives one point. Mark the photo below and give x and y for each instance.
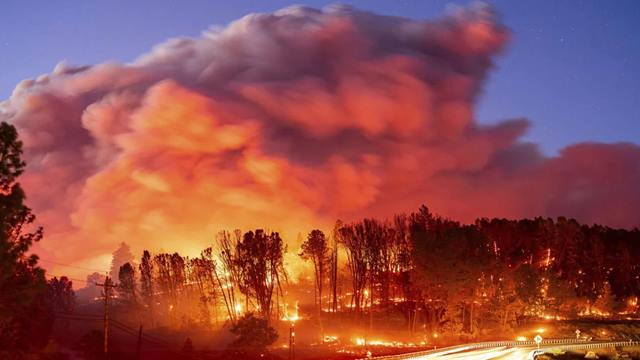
(291, 120)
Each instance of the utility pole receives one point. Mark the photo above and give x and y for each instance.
(138, 347)
(107, 285)
(292, 340)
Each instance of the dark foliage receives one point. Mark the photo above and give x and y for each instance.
(60, 294)
(253, 334)
(25, 317)
(127, 283)
(259, 262)
(91, 344)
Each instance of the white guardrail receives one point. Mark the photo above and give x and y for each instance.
(545, 345)
(586, 346)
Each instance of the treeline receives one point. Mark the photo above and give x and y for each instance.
(459, 278)
(245, 271)
(441, 275)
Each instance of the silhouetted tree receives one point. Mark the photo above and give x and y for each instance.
(623, 282)
(259, 261)
(450, 259)
(127, 283)
(315, 249)
(61, 299)
(527, 284)
(201, 274)
(171, 278)
(333, 277)
(60, 294)
(146, 283)
(253, 334)
(227, 274)
(355, 245)
(25, 318)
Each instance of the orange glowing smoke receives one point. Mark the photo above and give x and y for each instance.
(290, 120)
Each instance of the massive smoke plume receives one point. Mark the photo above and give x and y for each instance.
(291, 120)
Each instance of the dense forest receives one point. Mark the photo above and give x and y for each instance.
(434, 271)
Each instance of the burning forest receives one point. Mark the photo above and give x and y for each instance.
(307, 183)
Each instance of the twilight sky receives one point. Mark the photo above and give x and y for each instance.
(572, 67)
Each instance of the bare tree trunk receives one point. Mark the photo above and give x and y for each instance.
(228, 302)
(471, 319)
(320, 318)
(371, 301)
(334, 269)
(506, 316)
(318, 264)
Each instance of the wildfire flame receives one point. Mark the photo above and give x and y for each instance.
(291, 316)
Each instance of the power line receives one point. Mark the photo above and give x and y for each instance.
(73, 266)
(70, 278)
(73, 314)
(115, 323)
(125, 330)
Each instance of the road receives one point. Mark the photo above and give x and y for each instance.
(507, 350)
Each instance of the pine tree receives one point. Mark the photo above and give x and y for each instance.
(25, 319)
(146, 281)
(127, 283)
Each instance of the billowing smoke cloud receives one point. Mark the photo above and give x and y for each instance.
(291, 120)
